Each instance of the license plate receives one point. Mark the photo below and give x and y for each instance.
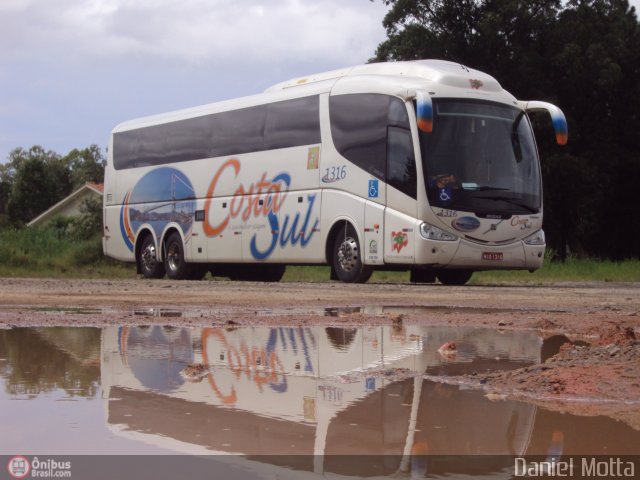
(493, 256)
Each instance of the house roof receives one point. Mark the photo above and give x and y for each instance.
(98, 187)
(95, 188)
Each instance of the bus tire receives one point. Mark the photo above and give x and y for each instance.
(454, 277)
(346, 257)
(174, 263)
(147, 259)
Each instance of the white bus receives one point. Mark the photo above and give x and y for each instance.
(426, 166)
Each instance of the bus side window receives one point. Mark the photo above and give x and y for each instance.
(359, 129)
(401, 162)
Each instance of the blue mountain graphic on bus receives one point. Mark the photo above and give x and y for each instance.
(162, 196)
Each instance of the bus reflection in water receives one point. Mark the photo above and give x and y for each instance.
(314, 398)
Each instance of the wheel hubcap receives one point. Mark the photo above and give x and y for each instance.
(149, 257)
(173, 257)
(348, 254)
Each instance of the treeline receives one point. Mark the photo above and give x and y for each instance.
(35, 179)
(582, 55)
(32, 181)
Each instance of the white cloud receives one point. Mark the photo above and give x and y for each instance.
(195, 31)
(72, 69)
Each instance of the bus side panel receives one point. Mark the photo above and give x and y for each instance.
(267, 188)
(196, 248)
(374, 241)
(222, 234)
(117, 231)
(114, 238)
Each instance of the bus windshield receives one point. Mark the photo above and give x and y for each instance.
(481, 157)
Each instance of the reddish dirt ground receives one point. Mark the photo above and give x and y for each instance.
(598, 373)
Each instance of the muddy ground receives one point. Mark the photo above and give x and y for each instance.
(596, 372)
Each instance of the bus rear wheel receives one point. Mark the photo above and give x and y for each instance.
(347, 257)
(454, 277)
(150, 267)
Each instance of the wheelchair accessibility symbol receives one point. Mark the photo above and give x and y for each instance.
(373, 188)
(445, 194)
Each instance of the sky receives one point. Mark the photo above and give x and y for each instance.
(71, 70)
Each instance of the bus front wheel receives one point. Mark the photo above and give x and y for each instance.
(347, 257)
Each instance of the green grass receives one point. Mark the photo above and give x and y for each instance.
(50, 252)
(573, 270)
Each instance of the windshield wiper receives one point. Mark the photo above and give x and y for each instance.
(513, 201)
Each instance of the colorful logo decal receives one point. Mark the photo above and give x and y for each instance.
(523, 223)
(476, 84)
(373, 188)
(313, 158)
(162, 196)
(245, 203)
(466, 224)
(399, 241)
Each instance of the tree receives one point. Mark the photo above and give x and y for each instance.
(5, 190)
(39, 179)
(584, 56)
(86, 165)
(35, 179)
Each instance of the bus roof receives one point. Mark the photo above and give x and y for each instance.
(447, 78)
(438, 72)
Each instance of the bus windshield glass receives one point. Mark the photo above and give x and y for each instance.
(481, 157)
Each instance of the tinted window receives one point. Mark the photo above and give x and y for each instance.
(290, 123)
(359, 128)
(401, 166)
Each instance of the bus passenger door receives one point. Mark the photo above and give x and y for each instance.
(402, 208)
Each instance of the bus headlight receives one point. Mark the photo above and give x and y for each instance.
(434, 233)
(536, 239)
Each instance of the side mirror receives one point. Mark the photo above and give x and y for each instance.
(557, 117)
(424, 112)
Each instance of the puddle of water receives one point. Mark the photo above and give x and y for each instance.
(162, 312)
(279, 395)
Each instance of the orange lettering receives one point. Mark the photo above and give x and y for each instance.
(208, 229)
